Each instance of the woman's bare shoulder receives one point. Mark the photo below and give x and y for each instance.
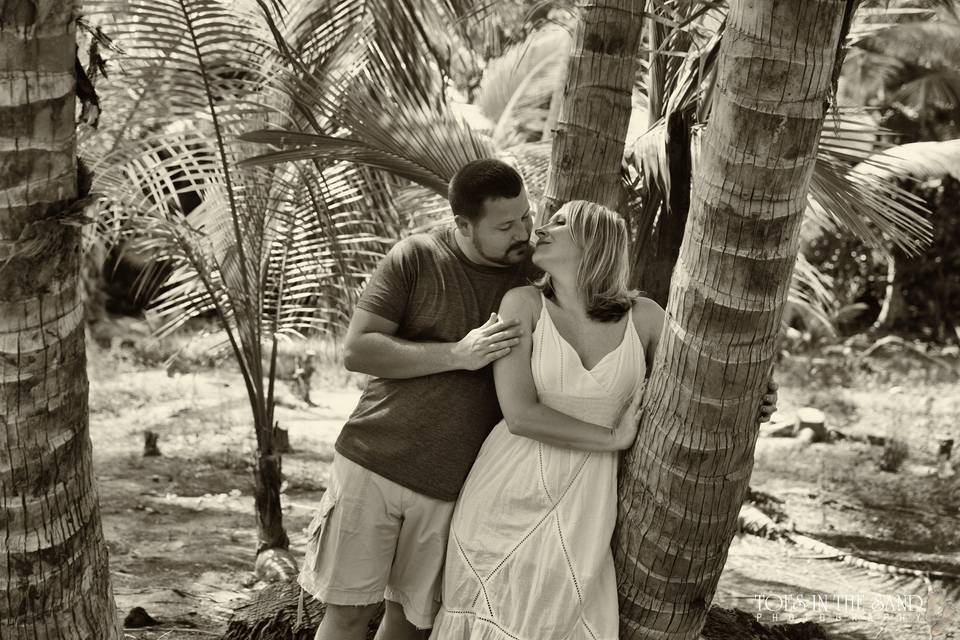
(526, 295)
(522, 303)
(648, 317)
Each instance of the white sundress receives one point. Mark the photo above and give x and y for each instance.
(529, 550)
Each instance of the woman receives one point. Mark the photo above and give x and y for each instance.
(529, 549)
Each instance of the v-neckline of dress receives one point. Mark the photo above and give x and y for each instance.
(566, 342)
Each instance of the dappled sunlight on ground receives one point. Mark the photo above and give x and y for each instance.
(181, 527)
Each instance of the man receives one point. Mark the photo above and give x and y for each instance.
(426, 329)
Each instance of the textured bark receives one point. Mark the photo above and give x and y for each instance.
(685, 478)
(588, 143)
(54, 577)
(266, 495)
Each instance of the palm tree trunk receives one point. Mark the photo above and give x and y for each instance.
(893, 302)
(684, 480)
(54, 576)
(267, 478)
(588, 143)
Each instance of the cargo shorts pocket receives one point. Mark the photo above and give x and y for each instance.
(315, 531)
(315, 528)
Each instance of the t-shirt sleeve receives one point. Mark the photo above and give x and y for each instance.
(388, 289)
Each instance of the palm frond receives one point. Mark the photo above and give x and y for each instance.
(927, 42)
(516, 88)
(878, 212)
(212, 68)
(648, 155)
(920, 160)
(910, 55)
(419, 134)
(504, 24)
(314, 30)
(874, 17)
(812, 295)
(931, 88)
(310, 146)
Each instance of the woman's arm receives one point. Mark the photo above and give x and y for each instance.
(648, 318)
(524, 413)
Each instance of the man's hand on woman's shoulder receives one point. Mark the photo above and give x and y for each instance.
(490, 341)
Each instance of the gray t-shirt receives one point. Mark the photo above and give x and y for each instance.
(424, 433)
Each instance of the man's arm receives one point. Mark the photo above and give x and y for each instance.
(372, 347)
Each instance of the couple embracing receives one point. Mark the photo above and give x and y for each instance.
(474, 486)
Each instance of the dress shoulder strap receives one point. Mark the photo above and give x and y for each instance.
(543, 308)
(632, 328)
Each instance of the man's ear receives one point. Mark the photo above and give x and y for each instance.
(463, 224)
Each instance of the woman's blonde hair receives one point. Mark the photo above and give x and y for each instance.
(604, 272)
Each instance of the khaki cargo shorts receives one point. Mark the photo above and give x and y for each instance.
(373, 539)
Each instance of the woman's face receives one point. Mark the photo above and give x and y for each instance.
(554, 244)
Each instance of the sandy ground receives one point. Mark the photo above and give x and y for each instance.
(181, 531)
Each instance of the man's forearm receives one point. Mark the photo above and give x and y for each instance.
(386, 356)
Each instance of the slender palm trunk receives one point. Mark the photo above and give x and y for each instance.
(54, 577)
(267, 478)
(684, 480)
(893, 302)
(588, 144)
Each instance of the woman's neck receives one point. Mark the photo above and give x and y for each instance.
(567, 297)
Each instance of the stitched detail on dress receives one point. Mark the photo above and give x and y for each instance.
(560, 353)
(463, 553)
(587, 627)
(535, 527)
(573, 575)
(540, 340)
(543, 479)
(499, 628)
(522, 540)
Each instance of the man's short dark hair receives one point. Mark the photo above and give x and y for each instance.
(479, 181)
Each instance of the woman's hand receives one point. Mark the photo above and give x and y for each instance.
(625, 431)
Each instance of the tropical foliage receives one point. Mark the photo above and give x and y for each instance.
(370, 107)
(274, 251)
(903, 66)
(905, 60)
(918, 296)
(672, 98)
